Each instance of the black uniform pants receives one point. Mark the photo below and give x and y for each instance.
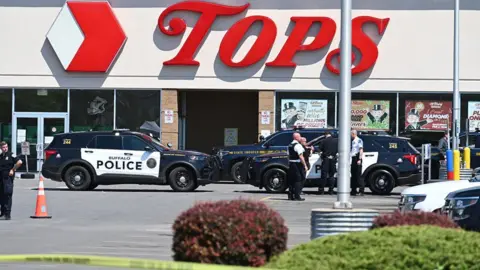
(295, 178)
(328, 172)
(6, 194)
(356, 181)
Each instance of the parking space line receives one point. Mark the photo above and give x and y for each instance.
(266, 198)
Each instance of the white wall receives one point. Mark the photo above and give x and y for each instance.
(415, 52)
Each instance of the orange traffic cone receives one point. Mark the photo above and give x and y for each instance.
(41, 209)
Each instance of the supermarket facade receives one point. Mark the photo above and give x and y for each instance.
(201, 74)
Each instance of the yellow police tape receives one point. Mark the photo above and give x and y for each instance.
(131, 263)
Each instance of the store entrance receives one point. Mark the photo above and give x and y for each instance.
(38, 129)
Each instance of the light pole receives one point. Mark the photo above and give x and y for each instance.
(344, 129)
(456, 91)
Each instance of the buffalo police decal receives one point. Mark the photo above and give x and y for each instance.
(151, 163)
(119, 163)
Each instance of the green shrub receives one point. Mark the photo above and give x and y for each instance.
(398, 218)
(237, 232)
(404, 247)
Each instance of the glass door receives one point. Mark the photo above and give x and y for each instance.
(38, 130)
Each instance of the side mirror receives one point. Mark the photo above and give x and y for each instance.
(262, 138)
(169, 145)
(148, 148)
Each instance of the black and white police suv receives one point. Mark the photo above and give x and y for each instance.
(388, 162)
(84, 160)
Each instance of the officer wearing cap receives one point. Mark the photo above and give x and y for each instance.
(9, 163)
(329, 150)
(297, 168)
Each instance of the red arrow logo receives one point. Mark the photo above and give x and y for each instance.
(94, 45)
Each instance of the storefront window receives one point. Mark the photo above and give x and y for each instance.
(91, 110)
(135, 108)
(425, 117)
(6, 115)
(374, 111)
(41, 100)
(309, 110)
(470, 109)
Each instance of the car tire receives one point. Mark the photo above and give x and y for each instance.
(182, 179)
(92, 186)
(235, 173)
(381, 182)
(275, 180)
(77, 178)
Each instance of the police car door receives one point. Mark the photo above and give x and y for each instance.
(370, 153)
(146, 159)
(315, 166)
(105, 154)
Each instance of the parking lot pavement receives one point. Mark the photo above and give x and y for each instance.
(135, 221)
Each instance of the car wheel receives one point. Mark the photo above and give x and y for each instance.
(235, 173)
(92, 186)
(77, 178)
(381, 182)
(181, 179)
(275, 180)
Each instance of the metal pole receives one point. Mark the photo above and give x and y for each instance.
(467, 132)
(423, 164)
(343, 194)
(397, 115)
(456, 91)
(336, 110)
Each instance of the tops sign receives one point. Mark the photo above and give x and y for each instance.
(86, 36)
(264, 42)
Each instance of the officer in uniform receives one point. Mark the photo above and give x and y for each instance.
(297, 168)
(9, 163)
(329, 150)
(356, 165)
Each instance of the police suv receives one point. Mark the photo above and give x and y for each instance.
(84, 160)
(231, 157)
(387, 162)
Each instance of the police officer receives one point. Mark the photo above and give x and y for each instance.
(296, 168)
(356, 154)
(9, 163)
(329, 150)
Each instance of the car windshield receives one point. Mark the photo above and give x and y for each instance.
(157, 142)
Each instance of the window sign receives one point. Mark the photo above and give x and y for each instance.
(307, 113)
(370, 114)
(428, 115)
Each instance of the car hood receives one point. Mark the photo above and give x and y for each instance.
(438, 188)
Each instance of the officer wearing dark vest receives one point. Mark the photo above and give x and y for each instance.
(329, 150)
(9, 163)
(296, 169)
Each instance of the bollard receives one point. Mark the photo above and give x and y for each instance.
(456, 165)
(326, 222)
(466, 157)
(450, 175)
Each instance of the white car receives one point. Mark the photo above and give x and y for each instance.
(431, 197)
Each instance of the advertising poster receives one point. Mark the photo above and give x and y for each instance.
(307, 113)
(370, 114)
(428, 115)
(473, 115)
